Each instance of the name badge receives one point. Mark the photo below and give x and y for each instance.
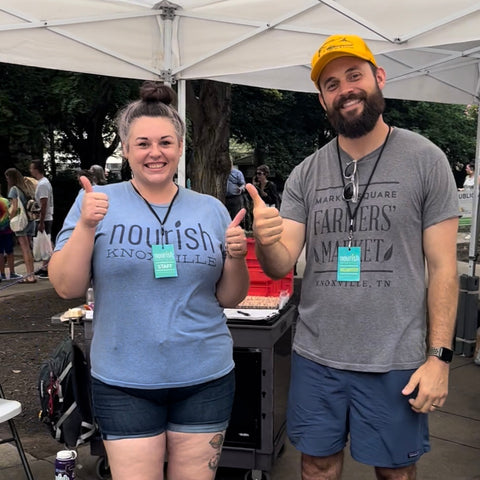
(164, 264)
(348, 269)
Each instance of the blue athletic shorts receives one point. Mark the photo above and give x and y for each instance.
(326, 405)
(135, 413)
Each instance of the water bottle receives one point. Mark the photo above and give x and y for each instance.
(283, 299)
(65, 465)
(90, 301)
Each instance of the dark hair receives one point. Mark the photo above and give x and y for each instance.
(85, 173)
(38, 165)
(265, 169)
(98, 174)
(156, 100)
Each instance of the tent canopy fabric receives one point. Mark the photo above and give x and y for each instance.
(429, 48)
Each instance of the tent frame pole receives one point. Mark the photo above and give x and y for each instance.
(474, 230)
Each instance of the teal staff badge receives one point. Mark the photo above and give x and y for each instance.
(164, 263)
(348, 264)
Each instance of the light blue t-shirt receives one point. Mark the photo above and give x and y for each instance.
(157, 332)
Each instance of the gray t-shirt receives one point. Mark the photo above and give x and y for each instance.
(377, 324)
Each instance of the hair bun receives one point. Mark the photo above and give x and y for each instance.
(157, 92)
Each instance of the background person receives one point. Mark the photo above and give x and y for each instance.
(98, 173)
(44, 198)
(469, 181)
(234, 193)
(21, 191)
(162, 275)
(6, 241)
(266, 188)
(370, 207)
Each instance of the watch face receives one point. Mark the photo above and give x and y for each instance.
(446, 355)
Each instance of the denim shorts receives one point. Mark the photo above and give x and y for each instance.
(28, 231)
(135, 413)
(327, 405)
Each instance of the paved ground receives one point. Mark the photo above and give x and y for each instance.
(455, 433)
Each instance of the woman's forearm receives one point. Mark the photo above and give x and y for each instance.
(69, 269)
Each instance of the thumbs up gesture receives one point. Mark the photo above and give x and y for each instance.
(94, 205)
(267, 222)
(235, 238)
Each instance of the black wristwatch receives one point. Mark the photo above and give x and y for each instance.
(443, 353)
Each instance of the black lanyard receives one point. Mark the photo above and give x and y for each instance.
(354, 214)
(161, 222)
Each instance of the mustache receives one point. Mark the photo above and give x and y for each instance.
(346, 98)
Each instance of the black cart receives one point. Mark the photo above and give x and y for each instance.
(257, 431)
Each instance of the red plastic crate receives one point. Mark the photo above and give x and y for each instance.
(260, 284)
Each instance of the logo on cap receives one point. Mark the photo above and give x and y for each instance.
(337, 46)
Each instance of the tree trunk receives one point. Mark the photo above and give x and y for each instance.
(209, 107)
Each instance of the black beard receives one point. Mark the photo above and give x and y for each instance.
(373, 107)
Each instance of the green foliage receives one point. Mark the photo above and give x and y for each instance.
(21, 122)
(61, 113)
(283, 127)
(85, 119)
(451, 127)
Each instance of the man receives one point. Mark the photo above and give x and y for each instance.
(44, 198)
(235, 189)
(370, 207)
(469, 181)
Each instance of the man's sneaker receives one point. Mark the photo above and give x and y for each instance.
(14, 275)
(3, 277)
(42, 274)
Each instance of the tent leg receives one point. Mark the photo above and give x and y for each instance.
(467, 316)
(474, 230)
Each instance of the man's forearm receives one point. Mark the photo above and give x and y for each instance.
(442, 309)
(275, 259)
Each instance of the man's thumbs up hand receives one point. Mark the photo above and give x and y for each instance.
(267, 222)
(94, 205)
(255, 196)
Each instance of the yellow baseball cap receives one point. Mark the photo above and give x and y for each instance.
(337, 46)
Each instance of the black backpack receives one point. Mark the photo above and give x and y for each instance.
(65, 395)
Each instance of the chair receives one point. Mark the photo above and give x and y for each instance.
(8, 410)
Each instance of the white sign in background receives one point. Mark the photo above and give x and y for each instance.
(465, 200)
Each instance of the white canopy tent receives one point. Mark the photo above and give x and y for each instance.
(264, 43)
(429, 48)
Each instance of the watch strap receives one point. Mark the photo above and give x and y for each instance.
(443, 353)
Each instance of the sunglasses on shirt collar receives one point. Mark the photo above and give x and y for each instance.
(350, 190)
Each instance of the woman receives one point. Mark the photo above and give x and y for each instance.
(21, 191)
(164, 262)
(98, 175)
(266, 188)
